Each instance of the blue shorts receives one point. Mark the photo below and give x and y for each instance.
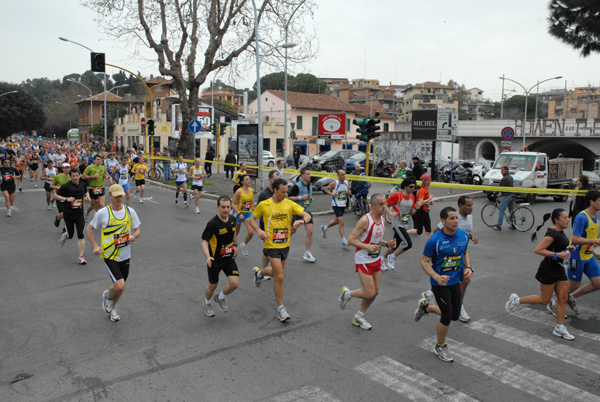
(126, 186)
(247, 215)
(578, 267)
(339, 211)
(180, 183)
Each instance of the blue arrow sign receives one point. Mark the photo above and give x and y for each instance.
(194, 126)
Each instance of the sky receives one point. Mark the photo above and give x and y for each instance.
(472, 42)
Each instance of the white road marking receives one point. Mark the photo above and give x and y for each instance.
(542, 317)
(307, 393)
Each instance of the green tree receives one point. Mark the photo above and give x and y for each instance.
(20, 111)
(575, 22)
(274, 81)
(226, 105)
(307, 83)
(514, 107)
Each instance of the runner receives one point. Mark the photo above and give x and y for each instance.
(34, 164)
(20, 164)
(262, 196)
(554, 247)
(339, 190)
(112, 163)
(8, 174)
(302, 194)
(403, 207)
(60, 179)
(445, 260)
(121, 177)
(243, 204)
(59, 159)
(236, 176)
(116, 222)
(197, 174)
(140, 169)
(424, 202)
(181, 180)
(73, 160)
(72, 194)
(220, 252)
(48, 175)
(277, 214)
(367, 237)
(96, 173)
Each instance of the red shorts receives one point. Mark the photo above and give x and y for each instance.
(370, 268)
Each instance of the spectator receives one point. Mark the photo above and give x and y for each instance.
(507, 198)
(578, 203)
(229, 158)
(417, 169)
(210, 155)
(166, 165)
(296, 156)
(279, 166)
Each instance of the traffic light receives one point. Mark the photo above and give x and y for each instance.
(372, 128)
(150, 127)
(214, 129)
(362, 128)
(98, 62)
(222, 128)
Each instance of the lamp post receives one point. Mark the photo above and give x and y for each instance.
(526, 96)
(8, 93)
(91, 104)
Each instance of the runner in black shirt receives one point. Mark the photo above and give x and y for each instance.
(220, 252)
(73, 193)
(8, 187)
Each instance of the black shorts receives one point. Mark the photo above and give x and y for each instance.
(402, 238)
(281, 253)
(33, 166)
(422, 220)
(195, 187)
(298, 217)
(11, 188)
(60, 206)
(95, 196)
(339, 211)
(449, 301)
(140, 182)
(550, 272)
(74, 221)
(47, 187)
(227, 265)
(117, 269)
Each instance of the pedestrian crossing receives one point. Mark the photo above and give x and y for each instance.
(406, 379)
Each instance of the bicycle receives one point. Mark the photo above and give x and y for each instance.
(520, 217)
(155, 173)
(359, 206)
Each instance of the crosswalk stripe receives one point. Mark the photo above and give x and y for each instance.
(408, 382)
(541, 318)
(548, 347)
(307, 393)
(509, 373)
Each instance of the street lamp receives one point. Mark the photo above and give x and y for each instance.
(91, 104)
(8, 93)
(526, 95)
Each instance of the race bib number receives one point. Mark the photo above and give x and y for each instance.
(280, 235)
(8, 177)
(124, 176)
(405, 218)
(97, 190)
(246, 206)
(77, 204)
(451, 263)
(227, 251)
(342, 196)
(590, 249)
(122, 240)
(374, 254)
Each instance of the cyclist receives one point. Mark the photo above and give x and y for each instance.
(403, 205)
(507, 198)
(360, 188)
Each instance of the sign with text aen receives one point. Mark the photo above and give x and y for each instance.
(424, 125)
(332, 126)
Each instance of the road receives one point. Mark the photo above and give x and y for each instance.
(57, 344)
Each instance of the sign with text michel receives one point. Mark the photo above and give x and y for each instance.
(332, 126)
(424, 125)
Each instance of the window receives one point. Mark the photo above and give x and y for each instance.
(299, 122)
(315, 124)
(386, 127)
(347, 125)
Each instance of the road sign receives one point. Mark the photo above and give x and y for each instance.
(143, 122)
(506, 144)
(508, 133)
(505, 149)
(444, 125)
(195, 126)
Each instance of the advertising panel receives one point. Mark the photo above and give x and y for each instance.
(247, 142)
(332, 126)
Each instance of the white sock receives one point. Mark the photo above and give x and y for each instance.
(221, 296)
(280, 307)
(206, 301)
(359, 314)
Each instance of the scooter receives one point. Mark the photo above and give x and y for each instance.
(384, 168)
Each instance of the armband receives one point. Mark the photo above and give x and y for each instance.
(554, 258)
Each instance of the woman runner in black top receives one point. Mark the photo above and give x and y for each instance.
(554, 247)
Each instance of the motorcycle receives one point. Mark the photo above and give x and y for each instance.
(384, 168)
(447, 173)
(467, 176)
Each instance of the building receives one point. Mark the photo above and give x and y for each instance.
(582, 102)
(476, 108)
(236, 100)
(426, 95)
(385, 99)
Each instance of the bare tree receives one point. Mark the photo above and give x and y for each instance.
(193, 38)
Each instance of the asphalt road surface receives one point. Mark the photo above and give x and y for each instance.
(57, 344)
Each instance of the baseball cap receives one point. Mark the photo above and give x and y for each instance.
(66, 165)
(116, 190)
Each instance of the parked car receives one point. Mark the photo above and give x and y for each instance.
(268, 159)
(593, 176)
(330, 161)
(361, 158)
(289, 160)
(319, 183)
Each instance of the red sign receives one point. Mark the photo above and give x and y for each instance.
(505, 149)
(143, 122)
(332, 126)
(507, 133)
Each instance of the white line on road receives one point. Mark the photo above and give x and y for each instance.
(548, 347)
(519, 377)
(541, 318)
(408, 382)
(307, 393)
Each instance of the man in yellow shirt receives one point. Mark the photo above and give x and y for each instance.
(277, 215)
(140, 169)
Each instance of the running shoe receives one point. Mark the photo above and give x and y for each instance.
(141, 201)
(308, 257)
(244, 248)
(442, 352)
(56, 221)
(324, 230)
(384, 266)
(257, 280)
(63, 239)
(35, 185)
(48, 208)
(196, 210)
(8, 213)
(81, 260)
(391, 261)
(114, 316)
(551, 307)
(464, 317)
(176, 202)
(52, 203)
(512, 303)
(345, 242)
(283, 314)
(186, 204)
(208, 311)
(421, 309)
(222, 305)
(361, 322)
(344, 297)
(31, 179)
(106, 303)
(561, 332)
(429, 297)
(20, 189)
(572, 304)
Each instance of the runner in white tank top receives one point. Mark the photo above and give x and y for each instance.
(197, 173)
(339, 190)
